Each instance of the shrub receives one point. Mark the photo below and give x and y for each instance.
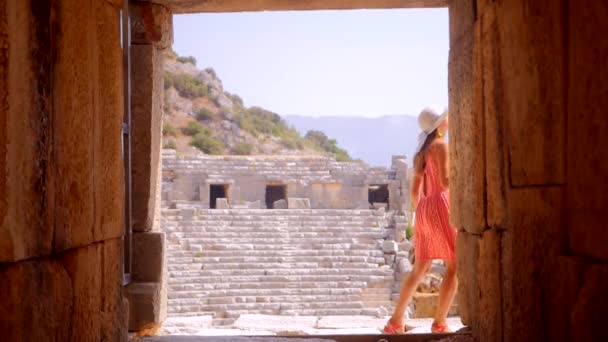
(186, 85)
(170, 145)
(242, 149)
(321, 142)
(204, 114)
(187, 59)
(171, 54)
(207, 144)
(195, 128)
(211, 72)
(169, 130)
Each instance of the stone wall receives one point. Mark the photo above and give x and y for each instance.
(61, 175)
(326, 182)
(151, 34)
(527, 94)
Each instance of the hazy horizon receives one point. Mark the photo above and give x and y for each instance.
(363, 63)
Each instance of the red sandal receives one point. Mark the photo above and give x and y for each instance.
(440, 328)
(392, 328)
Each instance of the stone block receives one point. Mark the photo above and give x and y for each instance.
(298, 203)
(588, 317)
(108, 170)
(146, 113)
(425, 304)
(462, 17)
(489, 273)
(565, 284)
(144, 304)
(222, 203)
(467, 167)
(148, 256)
(75, 86)
(26, 224)
(390, 247)
(467, 246)
(586, 195)
(35, 301)
(280, 204)
(151, 24)
(495, 151)
(95, 272)
(533, 82)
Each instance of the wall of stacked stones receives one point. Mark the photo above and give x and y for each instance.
(61, 176)
(527, 100)
(327, 183)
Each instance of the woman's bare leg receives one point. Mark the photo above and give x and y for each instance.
(447, 291)
(408, 287)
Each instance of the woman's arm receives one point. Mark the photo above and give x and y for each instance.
(442, 154)
(415, 190)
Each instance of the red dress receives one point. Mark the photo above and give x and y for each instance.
(434, 237)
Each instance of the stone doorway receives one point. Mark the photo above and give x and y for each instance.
(378, 193)
(275, 193)
(217, 191)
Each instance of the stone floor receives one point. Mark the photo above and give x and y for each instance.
(246, 327)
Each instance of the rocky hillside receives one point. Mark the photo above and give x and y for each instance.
(200, 115)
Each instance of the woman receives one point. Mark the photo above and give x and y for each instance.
(433, 235)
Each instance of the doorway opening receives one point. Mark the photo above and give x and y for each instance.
(378, 194)
(275, 193)
(217, 191)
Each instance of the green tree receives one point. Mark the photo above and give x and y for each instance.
(207, 144)
(204, 114)
(242, 149)
(193, 128)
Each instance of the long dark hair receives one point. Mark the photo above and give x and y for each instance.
(420, 157)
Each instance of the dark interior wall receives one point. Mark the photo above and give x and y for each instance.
(61, 204)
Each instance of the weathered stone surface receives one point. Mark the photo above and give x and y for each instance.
(25, 132)
(95, 274)
(298, 203)
(390, 247)
(280, 204)
(467, 247)
(425, 304)
(467, 168)
(222, 203)
(195, 6)
(565, 284)
(151, 24)
(75, 77)
(489, 273)
(35, 302)
(146, 133)
(534, 64)
(144, 304)
(108, 169)
(587, 192)
(588, 317)
(495, 155)
(148, 256)
(462, 18)
(528, 245)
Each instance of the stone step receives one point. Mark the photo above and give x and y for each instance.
(238, 247)
(372, 280)
(212, 241)
(378, 271)
(383, 293)
(272, 266)
(204, 259)
(285, 299)
(304, 252)
(346, 231)
(194, 287)
(233, 310)
(217, 233)
(327, 213)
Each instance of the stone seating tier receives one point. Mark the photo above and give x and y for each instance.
(228, 262)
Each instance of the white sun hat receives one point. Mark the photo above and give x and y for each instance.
(429, 119)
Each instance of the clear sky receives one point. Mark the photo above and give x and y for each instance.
(361, 63)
